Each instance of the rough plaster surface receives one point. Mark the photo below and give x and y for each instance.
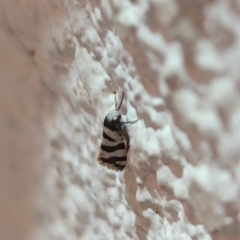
(178, 64)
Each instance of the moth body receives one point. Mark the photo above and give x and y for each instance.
(115, 142)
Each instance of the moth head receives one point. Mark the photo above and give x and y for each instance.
(117, 118)
(113, 120)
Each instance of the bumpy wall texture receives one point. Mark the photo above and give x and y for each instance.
(177, 62)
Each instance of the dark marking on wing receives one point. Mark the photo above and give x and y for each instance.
(113, 148)
(107, 137)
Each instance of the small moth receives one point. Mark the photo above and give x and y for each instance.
(115, 140)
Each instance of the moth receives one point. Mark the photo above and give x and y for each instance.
(115, 140)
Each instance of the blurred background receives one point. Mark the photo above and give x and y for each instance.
(178, 64)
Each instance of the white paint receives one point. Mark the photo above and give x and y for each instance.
(197, 112)
(203, 175)
(207, 57)
(101, 204)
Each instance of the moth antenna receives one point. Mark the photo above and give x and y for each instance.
(120, 102)
(115, 100)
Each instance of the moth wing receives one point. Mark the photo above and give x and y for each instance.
(110, 166)
(106, 164)
(124, 132)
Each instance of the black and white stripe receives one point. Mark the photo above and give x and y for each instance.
(115, 141)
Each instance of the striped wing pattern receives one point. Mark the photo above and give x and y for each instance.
(113, 152)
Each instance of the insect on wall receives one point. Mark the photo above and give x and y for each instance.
(115, 140)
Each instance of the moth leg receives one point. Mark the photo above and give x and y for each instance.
(129, 122)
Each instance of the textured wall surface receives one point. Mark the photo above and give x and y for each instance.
(178, 64)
